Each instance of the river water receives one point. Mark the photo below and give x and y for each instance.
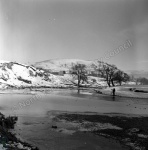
(34, 123)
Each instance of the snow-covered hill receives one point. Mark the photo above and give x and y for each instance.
(65, 64)
(20, 75)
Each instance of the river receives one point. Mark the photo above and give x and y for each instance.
(34, 122)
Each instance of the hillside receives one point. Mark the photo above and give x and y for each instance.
(20, 75)
(47, 74)
(65, 64)
(13, 74)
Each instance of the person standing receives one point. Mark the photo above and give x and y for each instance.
(114, 91)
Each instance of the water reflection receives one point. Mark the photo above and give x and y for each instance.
(113, 98)
(78, 92)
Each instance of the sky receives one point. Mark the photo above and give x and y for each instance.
(38, 30)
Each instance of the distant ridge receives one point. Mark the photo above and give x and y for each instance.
(138, 73)
(65, 64)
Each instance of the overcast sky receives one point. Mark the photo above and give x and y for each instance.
(37, 30)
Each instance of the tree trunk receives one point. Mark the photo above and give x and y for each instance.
(112, 83)
(108, 82)
(120, 83)
(78, 80)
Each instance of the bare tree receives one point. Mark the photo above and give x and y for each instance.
(80, 71)
(108, 72)
(111, 73)
(142, 81)
(120, 77)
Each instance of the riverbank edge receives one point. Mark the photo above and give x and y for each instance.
(119, 93)
(8, 140)
(93, 90)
